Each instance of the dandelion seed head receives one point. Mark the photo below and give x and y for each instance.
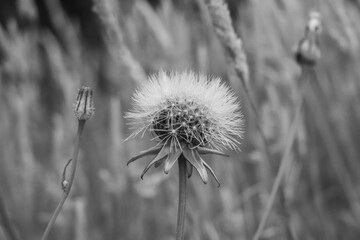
(187, 108)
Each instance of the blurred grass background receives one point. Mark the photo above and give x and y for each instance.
(49, 48)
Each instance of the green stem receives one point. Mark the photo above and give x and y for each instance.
(182, 199)
(71, 179)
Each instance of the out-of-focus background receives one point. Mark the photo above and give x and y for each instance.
(49, 48)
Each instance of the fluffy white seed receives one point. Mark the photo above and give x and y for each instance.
(207, 107)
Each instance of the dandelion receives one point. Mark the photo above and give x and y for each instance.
(188, 115)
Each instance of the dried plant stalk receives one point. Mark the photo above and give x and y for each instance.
(236, 55)
(107, 12)
(231, 42)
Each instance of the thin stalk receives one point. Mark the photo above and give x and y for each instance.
(71, 180)
(253, 107)
(233, 45)
(285, 160)
(182, 199)
(316, 105)
(6, 222)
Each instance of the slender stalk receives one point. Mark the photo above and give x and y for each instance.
(316, 106)
(182, 199)
(71, 179)
(6, 222)
(285, 160)
(283, 166)
(233, 45)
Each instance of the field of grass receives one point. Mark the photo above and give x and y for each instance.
(49, 49)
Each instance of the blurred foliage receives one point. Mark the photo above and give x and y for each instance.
(48, 49)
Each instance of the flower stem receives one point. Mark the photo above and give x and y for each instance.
(182, 199)
(71, 179)
(286, 158)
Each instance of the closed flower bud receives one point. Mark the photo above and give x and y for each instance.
(308, 50)
(84, 106)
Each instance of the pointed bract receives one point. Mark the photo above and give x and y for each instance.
(171, 159)
(212, 172)
(150, 151)
(195, 160)
(204, 150)
(150, 164)
(158, 163)
(189, 169)
(163, 153)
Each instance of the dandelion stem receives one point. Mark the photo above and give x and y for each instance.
(71, 179)
(182, 198)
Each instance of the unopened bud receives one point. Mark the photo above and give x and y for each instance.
(314, 24)
(64, 185)
(84, 106)
(308, 50)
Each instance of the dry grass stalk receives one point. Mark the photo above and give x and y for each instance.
(107, 10)
(231, 42)
(236, 57)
